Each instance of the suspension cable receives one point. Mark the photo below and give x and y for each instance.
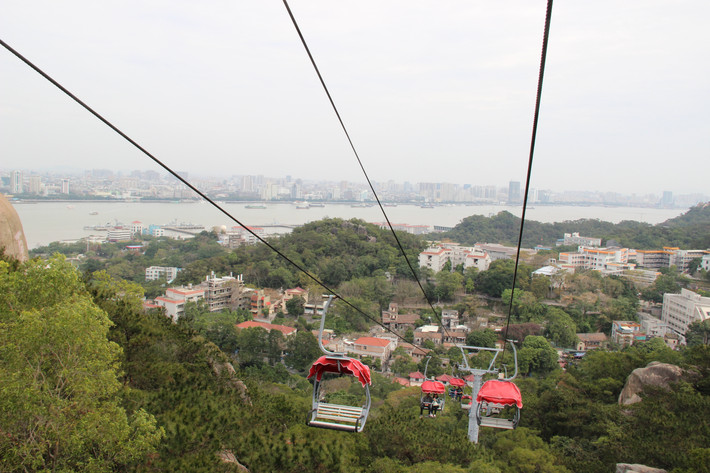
(543, 57)
(196, 190)
(362, 167)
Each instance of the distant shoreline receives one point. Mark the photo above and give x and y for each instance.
(349, 202)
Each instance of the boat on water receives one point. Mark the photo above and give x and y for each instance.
(303, 205)
(427, 206)
(93, 213)
(362, 206)
(255, 206)
(316, 204)
(389, 205)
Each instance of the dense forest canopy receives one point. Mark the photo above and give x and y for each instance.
(687, 231)
(183, 409)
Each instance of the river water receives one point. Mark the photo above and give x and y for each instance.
(45, 222)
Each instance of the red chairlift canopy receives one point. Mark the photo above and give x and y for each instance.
(457, 382)
(500, 392)
(433, 387)
(347, 366)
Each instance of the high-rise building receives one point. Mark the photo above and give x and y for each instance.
(16, 182)
(65, 186)
(35, 185)
(667, 199)
(514, 192)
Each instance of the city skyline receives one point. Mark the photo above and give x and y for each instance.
(153, 184)
(429, 94)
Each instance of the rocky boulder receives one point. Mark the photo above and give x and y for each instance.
(655, 374)
(636, 468)
(12, 237)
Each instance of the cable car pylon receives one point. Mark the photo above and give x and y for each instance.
(489, 399)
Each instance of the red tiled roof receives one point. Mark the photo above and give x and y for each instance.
(416, 375)
(372, 341)
(402, 381)
(268, 327)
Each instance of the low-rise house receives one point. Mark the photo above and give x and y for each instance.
(427, 332)
(416, 353)
(373, 347)
(449, 318)
(416, 378)
(403, 381)
(285, 330)
(392, 320)
(590, 341)
(625, 333)
(454, 337)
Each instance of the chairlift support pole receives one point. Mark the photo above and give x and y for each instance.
(326, 306)
(478, 374)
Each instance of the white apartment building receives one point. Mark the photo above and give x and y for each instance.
(705, 262)
(154, 273)
(605, 260)
(575, 239)
(175, 299)
(247, 236)
(667, 257)
(435, 257)
(119, 234)
(681, 310)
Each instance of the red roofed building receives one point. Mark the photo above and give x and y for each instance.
(287, 331)
(402, 381)
(296, 292)
(372, 346)
(416, 378)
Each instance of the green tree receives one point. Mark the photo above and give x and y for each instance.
(403, 365)
(499, 277)
(301, 350)
(295, 307)
(482, 338)
(447, 284)
(253, 345)
(561, 329)
(662, 285)
(60, 408)
(698, 333)
(537, 356)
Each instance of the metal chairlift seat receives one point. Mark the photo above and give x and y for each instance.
(335, 416)
(492, 398)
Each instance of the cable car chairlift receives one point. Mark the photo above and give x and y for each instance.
(494, 398)
(326, 415)
(432, 386)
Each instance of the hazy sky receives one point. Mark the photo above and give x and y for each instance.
(430, 91)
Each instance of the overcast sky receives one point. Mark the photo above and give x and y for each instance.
(430, 91)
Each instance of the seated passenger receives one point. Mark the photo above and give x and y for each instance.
(426, 404)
